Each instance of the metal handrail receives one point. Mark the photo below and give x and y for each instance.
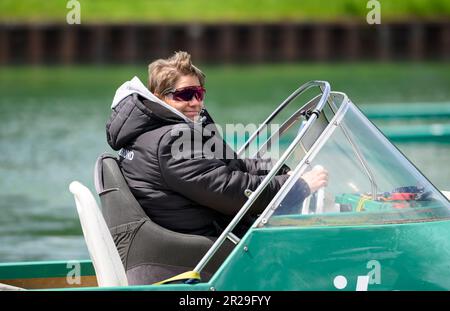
(287, 124)
(325, 88)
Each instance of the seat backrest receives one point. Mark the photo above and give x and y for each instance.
(149, 252)
(119, 206)
(105, 258)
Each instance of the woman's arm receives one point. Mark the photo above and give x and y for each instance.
(214, 183)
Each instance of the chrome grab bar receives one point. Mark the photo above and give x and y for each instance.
(287, 125)
(324, 87)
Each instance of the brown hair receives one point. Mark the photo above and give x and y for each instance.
(164, 73)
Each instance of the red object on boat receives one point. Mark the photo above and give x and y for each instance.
(403, 196)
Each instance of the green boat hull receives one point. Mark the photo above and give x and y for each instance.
(412, 256)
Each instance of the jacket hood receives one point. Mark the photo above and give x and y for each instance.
(136, 110)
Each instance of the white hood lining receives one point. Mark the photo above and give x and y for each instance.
(136, 86)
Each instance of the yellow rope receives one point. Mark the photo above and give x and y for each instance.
(361, 203)
(183, 276)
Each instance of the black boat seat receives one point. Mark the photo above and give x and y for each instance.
(149, 252)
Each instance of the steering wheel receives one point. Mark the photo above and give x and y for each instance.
(320, 200)
(317, 199)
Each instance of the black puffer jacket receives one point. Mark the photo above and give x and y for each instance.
(196, 195)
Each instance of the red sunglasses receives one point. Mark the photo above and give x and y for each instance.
(187, 93)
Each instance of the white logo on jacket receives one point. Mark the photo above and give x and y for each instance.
(127, 154)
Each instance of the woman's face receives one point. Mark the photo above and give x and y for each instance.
(190, 108)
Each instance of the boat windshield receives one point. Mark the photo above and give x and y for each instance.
(370, 180)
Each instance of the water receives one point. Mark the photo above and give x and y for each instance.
(45, 146)
(52, 128)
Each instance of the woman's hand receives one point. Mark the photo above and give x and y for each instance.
(316, 178)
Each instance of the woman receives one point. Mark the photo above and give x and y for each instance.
(192, 193)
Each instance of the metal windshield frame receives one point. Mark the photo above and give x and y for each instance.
(335, 122)
(252, 196)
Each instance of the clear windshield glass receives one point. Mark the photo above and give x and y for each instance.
(370, 182)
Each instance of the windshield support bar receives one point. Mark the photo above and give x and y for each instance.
(358, 153)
